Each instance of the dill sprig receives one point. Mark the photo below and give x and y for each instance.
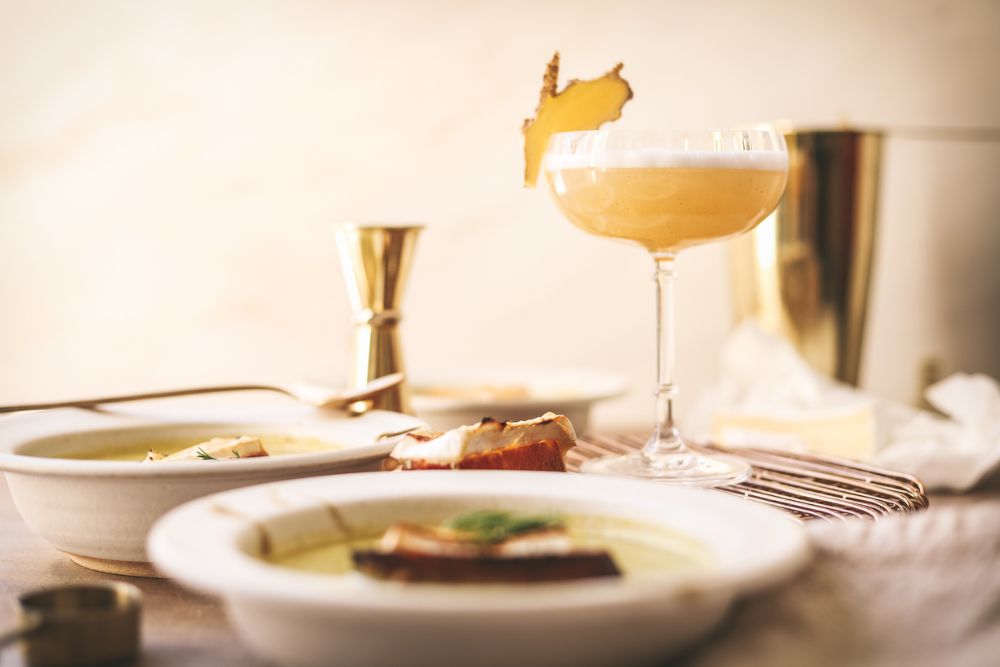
(492, 526)
(203, 455)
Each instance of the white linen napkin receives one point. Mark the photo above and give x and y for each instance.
(952, 453)
(767, 395)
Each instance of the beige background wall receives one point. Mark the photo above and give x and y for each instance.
(169, 171)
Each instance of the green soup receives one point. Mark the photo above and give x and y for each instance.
(638, 548)
(276, 445)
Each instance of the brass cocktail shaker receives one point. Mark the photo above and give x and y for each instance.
(376, 263)
(804, 272)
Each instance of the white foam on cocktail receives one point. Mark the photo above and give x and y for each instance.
(647, 158)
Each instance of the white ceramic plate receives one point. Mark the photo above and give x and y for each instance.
(294, 617)
(99, 512)
(567, 392)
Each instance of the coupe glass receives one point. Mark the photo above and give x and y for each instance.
(666, 191)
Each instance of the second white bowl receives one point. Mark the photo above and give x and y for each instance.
(100, 511)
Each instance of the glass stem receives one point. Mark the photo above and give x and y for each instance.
(665, 448)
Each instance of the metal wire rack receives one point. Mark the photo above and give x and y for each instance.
(804, 485)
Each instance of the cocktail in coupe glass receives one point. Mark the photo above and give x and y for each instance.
(667, 190)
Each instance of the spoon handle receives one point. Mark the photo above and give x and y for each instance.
(92, 402)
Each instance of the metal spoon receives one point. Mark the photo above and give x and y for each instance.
(310, 394)
(87, 624)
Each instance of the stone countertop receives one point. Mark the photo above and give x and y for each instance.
(178, 627)
(916, 590)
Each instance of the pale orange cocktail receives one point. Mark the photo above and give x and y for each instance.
(668, 208)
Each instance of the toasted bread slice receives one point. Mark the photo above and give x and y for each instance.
(485, 569)
(544, 455)
(534, 444)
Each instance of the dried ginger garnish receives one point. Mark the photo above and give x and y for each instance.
(581, 105)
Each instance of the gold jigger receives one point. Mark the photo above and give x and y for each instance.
(376, 262)
(804, 272)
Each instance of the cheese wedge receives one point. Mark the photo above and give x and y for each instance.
(242, 447)
(435, 541)
(848, 432)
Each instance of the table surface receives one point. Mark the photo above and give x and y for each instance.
(918, 590)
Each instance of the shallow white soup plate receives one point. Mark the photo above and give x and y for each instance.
(99, 512)
(215, 545)
(447, 401)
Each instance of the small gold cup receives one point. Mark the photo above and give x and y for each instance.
(79, 625)
(376, 262)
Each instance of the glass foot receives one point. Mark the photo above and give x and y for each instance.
(693, 469)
